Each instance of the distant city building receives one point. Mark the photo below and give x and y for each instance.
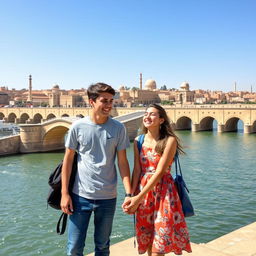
(4, 99)
(125, 96)
(184, 95)
(137, 96)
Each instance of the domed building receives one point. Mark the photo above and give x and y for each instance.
(184, 95)
(55, 89)
(139, 97)
(54, 97)
(184, 86)
(150, 85)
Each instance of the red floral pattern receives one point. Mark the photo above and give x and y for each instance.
(159, 219)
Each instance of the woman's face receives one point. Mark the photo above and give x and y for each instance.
(152, 119)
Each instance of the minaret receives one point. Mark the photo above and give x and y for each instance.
(140, 81)
(30, 89)
(251, 88)
(235, 87)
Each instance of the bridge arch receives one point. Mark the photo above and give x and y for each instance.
(80, 115)
(23, 118)
(206, 124)
(65, 115)
(231, 124)
(11, 118)
(254, 126)
(50, 116)
(54, 137)
(1, 116)
(183, 123)
(37, 118)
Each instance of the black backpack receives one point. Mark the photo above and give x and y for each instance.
(54, 195)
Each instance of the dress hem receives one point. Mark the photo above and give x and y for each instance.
(176, 253)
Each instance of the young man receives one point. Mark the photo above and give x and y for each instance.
(97, 139)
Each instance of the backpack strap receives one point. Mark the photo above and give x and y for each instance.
(61, 225)
(140, 141)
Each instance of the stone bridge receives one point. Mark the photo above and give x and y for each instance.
(50, 135)
(39, 115)
(194, 117)
(44, 129)
(202, 118)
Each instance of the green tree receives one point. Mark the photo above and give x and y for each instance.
(163, 87)
(166, 102)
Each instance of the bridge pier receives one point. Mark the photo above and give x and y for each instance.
(29, 121)
(195, 127)
(30, 138)
(221, 127)
(248, 128)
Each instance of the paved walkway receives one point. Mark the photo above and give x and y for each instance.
(241, 242)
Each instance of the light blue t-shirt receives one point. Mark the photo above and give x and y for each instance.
(97, 145)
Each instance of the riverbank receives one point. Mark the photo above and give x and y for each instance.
(240, 242)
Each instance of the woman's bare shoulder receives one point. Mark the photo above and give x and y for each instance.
(171, 141)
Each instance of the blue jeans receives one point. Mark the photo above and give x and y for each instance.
(104, 211)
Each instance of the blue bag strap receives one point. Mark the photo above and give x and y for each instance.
(178, 169)
(177, 164)
(140, 142)
(139, 145)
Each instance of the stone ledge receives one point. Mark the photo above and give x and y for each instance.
(240, 242)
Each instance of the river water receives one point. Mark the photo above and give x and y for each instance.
(219, 170)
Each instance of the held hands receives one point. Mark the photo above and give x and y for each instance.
(130, 204)
(66, 204)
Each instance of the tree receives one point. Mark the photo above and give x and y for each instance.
(163, 87)
(166, 102)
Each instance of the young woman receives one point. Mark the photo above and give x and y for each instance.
(160, 223)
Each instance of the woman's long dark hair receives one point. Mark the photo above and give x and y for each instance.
(165, 130)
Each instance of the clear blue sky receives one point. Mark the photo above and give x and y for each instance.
(210, 44)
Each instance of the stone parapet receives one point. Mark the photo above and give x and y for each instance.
(10, 145)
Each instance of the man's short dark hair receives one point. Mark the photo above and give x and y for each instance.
(94, 90)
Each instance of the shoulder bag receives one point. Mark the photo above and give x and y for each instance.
(182, 189)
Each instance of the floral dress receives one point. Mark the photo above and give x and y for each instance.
(159, 219)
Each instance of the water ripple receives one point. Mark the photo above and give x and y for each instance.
(219, 170)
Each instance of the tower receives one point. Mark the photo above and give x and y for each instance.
(30, 89)
(235, 87)
(140, 81)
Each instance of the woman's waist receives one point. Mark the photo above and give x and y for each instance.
(151, 172)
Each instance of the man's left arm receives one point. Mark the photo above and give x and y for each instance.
(124, 170)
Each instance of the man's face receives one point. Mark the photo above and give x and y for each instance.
(103, 104)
